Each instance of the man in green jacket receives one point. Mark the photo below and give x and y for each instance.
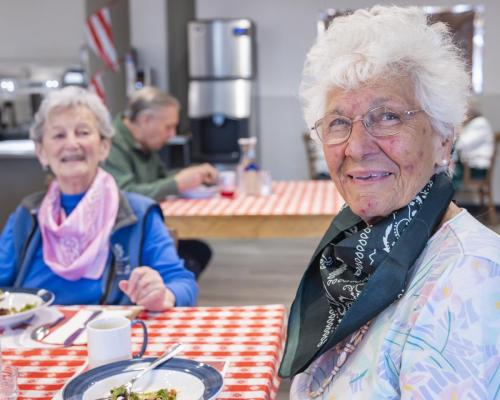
(142, 130)
(149, 121)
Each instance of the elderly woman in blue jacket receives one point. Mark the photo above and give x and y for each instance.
(84, 239)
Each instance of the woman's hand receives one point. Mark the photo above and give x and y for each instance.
(146, 288)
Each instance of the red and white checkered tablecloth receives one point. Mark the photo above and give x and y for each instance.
(249, 340)
(288, 198)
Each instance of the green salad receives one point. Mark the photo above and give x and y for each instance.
(120, 393)
(14, 310)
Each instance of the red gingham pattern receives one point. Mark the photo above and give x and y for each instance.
(288, 198)
(248, 339)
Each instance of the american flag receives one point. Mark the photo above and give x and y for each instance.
(97, 87)
(100, 37)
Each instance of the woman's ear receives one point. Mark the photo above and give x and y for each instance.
(447, 144)
(104, 149)
(40, 153)
(442, 152)
(444, 147)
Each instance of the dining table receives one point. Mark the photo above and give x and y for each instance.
(293, 209)
(244, 343)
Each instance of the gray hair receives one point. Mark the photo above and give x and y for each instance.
(149, 98)
(68, 97)
(392, 41)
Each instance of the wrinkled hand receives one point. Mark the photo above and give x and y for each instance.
(146, 288)
(192, 177)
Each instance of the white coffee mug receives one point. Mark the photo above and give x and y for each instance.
(110, 340)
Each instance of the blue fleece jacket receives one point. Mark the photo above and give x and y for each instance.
(139, 215)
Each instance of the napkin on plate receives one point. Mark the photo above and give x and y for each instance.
(76, 319)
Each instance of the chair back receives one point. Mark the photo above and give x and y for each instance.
(491, 170)
(488, 178)
(311, 154)
(483, 186)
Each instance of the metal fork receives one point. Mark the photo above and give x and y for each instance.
(176, 348)
(172, 351)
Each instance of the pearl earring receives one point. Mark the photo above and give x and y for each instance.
(444, 162)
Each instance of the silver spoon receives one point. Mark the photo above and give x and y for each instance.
(172, 351)
(43, 330)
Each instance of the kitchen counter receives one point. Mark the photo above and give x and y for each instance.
(17, 148)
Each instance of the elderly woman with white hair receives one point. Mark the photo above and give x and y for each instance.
(400, 299)
(84, 239)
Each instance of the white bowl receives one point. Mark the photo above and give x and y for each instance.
(19, 297)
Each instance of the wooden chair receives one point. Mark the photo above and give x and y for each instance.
(483, 186)
(175, 236)
(313, 154)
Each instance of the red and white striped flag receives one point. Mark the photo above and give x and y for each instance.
(97, 87)
(100, 37)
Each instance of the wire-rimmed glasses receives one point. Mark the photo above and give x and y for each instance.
(381, 121)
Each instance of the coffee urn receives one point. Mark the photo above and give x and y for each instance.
(221, 96)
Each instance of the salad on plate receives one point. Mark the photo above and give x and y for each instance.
(120, 393)
(18, 305)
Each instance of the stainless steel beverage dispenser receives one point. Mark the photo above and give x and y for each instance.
(221, 106)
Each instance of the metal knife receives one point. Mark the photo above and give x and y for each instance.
(71, 338)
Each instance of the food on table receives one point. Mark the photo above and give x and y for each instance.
(120, 393)
(14, 310)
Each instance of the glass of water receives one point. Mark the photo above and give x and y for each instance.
(8, 382)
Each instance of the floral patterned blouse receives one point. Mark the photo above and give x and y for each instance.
(441, 340)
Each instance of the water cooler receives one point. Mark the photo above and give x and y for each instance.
(221, 95)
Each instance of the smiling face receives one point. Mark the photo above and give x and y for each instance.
(379, 175)
(156, 127)
(72, 147)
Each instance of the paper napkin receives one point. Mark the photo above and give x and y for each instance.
(62, 331)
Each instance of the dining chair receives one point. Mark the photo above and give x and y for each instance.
(314, 156)
(483, 187)
(174, 234)
(310, 154)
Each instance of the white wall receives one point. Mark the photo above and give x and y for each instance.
(149, 37)
(48, 31)
(51, 31)
(285, 31)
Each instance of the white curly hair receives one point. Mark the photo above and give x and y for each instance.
(389, 41)
(68, 97)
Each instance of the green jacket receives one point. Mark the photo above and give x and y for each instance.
(136, 170)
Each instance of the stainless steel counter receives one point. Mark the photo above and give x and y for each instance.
(17, 148)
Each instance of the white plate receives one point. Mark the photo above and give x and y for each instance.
(187, 386)
(201, 192)
(19, 297)
(191, 379)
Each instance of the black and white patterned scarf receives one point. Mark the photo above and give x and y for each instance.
(357, 271)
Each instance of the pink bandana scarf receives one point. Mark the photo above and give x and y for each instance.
(77, 246)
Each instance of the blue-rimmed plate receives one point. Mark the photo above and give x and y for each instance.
(192, 380)
(20, 297)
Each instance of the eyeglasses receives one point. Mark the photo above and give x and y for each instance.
(378, 122)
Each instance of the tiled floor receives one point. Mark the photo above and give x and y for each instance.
(258, 272)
